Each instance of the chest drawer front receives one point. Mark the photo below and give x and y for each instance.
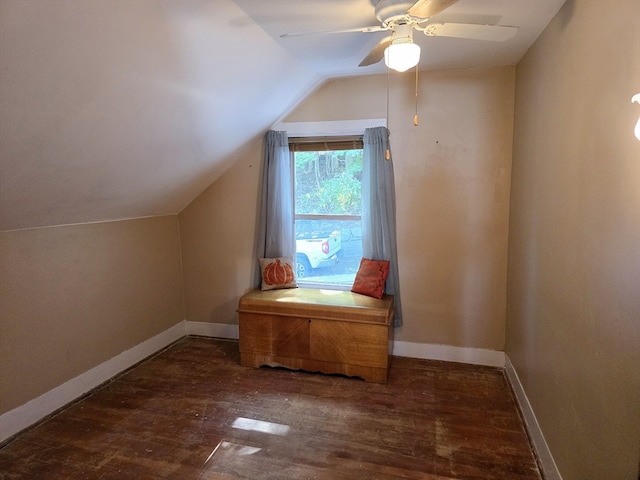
(352, 343)
(274, 335)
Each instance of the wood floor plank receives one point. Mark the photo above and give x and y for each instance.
(192, 412)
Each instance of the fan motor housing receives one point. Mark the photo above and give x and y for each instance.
(393, 11)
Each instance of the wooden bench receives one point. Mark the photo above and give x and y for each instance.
(317, 330)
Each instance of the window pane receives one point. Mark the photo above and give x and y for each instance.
(329, 249)
(328, 252)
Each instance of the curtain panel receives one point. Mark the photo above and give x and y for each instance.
(276, 236)
(379, 209)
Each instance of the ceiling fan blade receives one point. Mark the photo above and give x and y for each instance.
(377, 53)
(495, 33)
(429, 8)
(374, 28)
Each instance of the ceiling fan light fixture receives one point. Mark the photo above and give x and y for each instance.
(402, 55)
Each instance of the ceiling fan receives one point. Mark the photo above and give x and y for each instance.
(402, 18)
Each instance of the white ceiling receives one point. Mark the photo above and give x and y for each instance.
(117, 109)
(339, 54)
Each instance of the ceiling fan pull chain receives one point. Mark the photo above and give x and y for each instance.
(387, 97)
(387, 153)
(415, 117)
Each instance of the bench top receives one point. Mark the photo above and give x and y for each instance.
(319, 303)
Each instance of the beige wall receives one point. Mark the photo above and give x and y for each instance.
(452, 181)
(73, 297)
(573, 321)
(218, 241)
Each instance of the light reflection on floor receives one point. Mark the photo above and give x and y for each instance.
(260, 426)
(228, 455)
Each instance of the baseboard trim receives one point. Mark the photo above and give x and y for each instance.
(24, 416)
(545, 459)
(218, 330)
(448, 353)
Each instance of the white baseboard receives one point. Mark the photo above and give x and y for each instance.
(35, 410)
(218, 330)
(448, 353)
(547, 463)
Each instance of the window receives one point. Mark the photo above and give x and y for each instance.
(327, 172)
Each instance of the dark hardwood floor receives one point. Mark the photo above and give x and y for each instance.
(192, 412)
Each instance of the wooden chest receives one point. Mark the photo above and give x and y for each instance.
(317, 330)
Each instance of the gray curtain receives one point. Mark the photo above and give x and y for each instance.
(276, 237)
(379, 209)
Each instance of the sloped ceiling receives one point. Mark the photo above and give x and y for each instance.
(115, 109)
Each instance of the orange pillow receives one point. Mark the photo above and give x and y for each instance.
(278, 273)
(371, 277)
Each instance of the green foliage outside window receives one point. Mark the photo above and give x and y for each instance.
(328, 182)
